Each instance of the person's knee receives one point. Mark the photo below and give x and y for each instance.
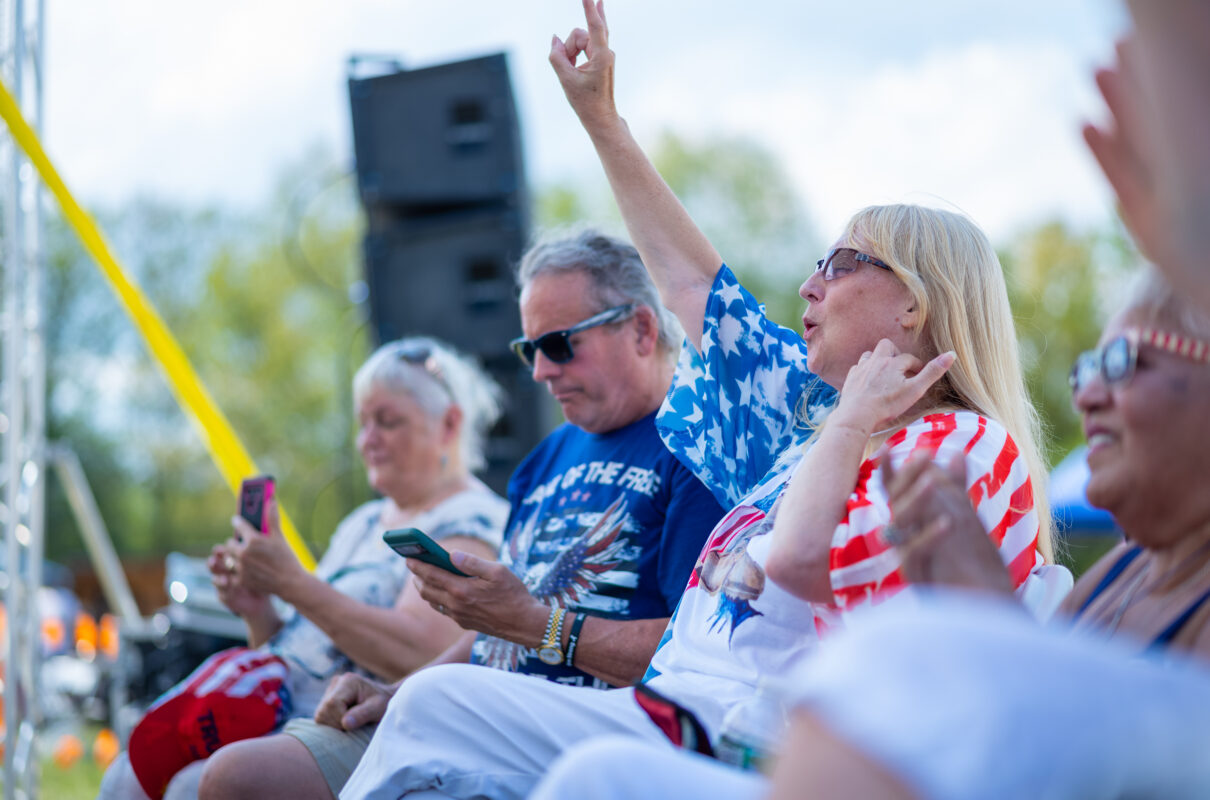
(425, 697)
(184, 785)
(589, 770)
(119, 781)
(235, 771)
(278, 766)
(595, 761)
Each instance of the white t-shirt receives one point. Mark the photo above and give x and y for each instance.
(359, 564)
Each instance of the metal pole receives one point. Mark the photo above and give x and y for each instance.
(96, 537)
(22, 417)
(33, 470)
(14, 596)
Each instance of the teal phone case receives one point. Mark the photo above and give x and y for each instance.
(415, 543)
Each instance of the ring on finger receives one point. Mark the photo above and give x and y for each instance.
(440, 609)
(892, 535)
(229, 562)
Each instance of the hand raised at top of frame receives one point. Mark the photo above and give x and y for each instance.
(1123, 150)
(589, 85)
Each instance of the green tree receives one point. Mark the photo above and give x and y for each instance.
(737, 192)
(100, 399)
(261, 304)
(1061, 284)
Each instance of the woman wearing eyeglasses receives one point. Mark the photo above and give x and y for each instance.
(423, 412)
(1144, 396)
(907, 317)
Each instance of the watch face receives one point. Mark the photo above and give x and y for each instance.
(550, 655)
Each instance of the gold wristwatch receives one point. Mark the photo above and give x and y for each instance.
(551, 650)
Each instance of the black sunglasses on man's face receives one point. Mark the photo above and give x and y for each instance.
(556, 345)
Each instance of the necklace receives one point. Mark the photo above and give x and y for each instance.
(1127, 599)
(1132, 590)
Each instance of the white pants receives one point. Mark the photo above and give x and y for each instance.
(961, 698)
(471, 732)
(119, 782)
(617, 768)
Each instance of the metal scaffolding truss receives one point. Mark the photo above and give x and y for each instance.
(22, 399)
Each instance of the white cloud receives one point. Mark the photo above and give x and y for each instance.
(990, 129)
(206, 101)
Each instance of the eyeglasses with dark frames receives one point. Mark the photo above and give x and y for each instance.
(1115, 361)
(844, 261)
(556, 345)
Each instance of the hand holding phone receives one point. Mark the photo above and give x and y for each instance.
(254, 496)
(414, 543)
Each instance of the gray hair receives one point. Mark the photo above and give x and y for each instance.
(446, 377)
(617, 273)
(1153, 295)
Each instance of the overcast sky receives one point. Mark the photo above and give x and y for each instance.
(974, 104)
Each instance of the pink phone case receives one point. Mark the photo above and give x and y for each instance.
(254, 496)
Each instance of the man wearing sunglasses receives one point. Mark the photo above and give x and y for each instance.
(605, 524)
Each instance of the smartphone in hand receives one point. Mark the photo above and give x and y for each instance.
(414, 543)
(254, 495)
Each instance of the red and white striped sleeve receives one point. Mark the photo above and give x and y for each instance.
(865, 569)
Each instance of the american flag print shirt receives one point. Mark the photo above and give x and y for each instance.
(734, 416)
(865, 568)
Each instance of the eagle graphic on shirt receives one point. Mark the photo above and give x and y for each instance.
(565, 580)
(727, 571)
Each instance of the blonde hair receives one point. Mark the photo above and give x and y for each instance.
(957, 283)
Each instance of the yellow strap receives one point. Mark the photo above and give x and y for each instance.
(225, 448)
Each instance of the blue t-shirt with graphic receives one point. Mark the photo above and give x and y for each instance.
(606, 524)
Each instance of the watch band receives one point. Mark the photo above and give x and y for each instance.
(574, 637)
(551, 650)
(555, 638)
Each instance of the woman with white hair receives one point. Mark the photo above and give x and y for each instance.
(423, 412)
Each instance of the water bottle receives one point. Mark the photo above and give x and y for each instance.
(752, 730)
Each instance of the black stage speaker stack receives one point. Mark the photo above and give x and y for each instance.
(440, 173)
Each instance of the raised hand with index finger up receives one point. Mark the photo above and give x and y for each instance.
(589, 85)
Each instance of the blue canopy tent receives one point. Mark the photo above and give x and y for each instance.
(1069, 503)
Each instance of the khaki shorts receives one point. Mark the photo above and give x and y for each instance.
(337, 752)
